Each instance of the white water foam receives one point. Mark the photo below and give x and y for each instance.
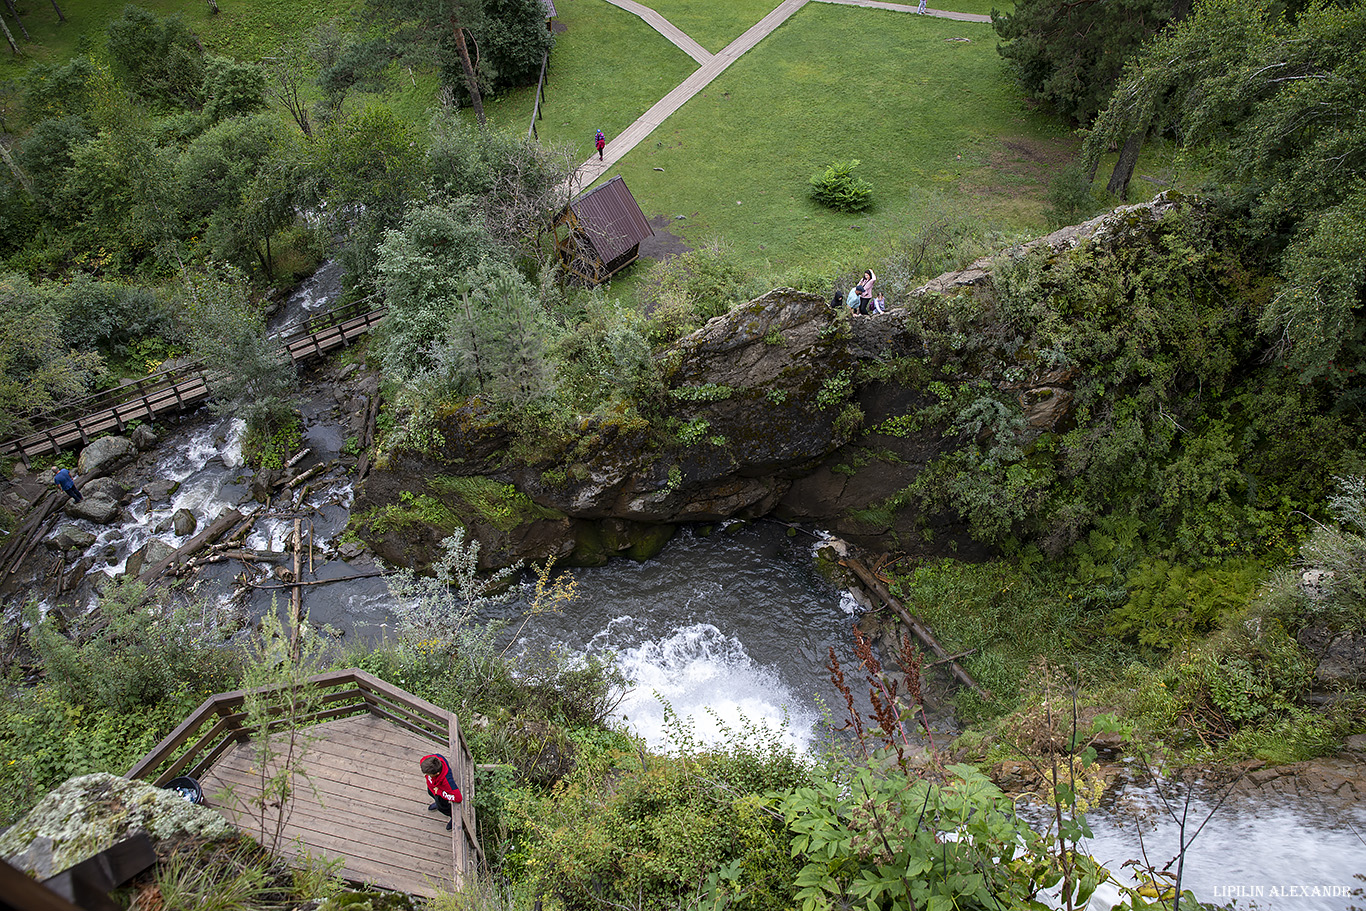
(710, 683)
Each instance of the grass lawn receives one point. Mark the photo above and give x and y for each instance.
(245, 29)
(608, 68)
(713, 25)
(924, 112)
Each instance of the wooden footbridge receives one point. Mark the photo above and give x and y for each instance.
(76, 423)
(355, 792)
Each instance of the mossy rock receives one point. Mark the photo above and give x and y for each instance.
(90, 813)
(597, 542)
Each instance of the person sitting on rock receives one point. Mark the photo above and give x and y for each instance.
(63, 479)
(440, 784)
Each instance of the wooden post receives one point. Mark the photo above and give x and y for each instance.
(296, 596)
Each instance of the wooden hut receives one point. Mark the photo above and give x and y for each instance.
(599, 233)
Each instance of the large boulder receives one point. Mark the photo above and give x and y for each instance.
(90, 813)
(103, 453)
(183, 522)
(99, 508)
(147, 556)
(144, 437)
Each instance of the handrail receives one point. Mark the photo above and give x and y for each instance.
(335, 326)
(219, 721)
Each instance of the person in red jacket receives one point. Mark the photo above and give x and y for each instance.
(440, 784)
(599, 143)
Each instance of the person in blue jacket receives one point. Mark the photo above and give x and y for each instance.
(440, 784)
(62, 478)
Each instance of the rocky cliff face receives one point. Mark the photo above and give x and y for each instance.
(782, 406)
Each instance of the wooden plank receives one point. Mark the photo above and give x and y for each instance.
(26, 894)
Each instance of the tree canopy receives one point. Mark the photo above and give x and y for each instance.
(1070, 53)
(1272, 108)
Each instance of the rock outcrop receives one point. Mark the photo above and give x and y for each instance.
(782, 406)
(91, 813)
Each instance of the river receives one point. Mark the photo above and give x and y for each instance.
(728, 630)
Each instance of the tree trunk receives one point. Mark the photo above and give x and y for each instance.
(1124, 168)
(8, 37)
(15, 13)
(471, 81)
(17, 171)
(60, 17)
(213, 7)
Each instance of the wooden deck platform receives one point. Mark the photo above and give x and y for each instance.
(363, 802)
(362, 799)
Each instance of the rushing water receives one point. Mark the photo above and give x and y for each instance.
(723, 629)
(728, 631)
(1264, 851)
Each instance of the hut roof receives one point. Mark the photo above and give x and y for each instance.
(611, 218)
(550, 11)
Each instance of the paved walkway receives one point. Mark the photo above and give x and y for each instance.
(667, 29)
(711, 66)
(904, 8)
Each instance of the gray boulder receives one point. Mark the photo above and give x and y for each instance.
(147, 556)
(98, 508)
(90, 813)
(183, 522)
(160, 491)
(144, 437)
(71, 537)
(102, 452)
(105, 487)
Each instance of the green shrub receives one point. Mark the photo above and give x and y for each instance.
(654, 831)
(1168, 604)
(136, 651)
(838, 188)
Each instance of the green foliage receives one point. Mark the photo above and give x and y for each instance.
(45, 739)
(707, 392)
(1070, 56)
(434, 271)
(38, 370)
(658, 830)
(1169, 605)
(836, 389)
(158, 58)
(685, 291)
(1269, 104)
(501, 505)
(250, 376)
(693, 432)
(53, 90)
(140, 650)
(891, 842)
(271, 447)
(232, 89)
(838, 188)
(1069, 196)
(512, 39)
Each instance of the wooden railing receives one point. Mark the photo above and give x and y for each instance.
(220, 722)
(179, 387)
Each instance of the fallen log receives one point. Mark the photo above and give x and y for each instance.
(299, 457)
(315, 470)
(368, 574)
(206, 537)
(917, 626)
(252, 556)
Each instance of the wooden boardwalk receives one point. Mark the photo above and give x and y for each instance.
(362, 799)
(363, 802)
(180, 387)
